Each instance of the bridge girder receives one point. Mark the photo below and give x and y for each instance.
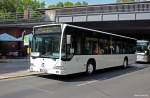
(138, 29)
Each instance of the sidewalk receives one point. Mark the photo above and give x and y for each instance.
(17, 74)
(14, 68)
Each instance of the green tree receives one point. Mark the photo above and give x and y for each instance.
(7, 6)
(52, 6)
(68, 4)
(78, 4)
(60, 4)
(19, 5)
(32, 4)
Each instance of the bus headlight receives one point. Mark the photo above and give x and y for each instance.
(31, 64)
(59, 67)
(31, 67)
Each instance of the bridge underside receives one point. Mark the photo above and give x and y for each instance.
(139, 29)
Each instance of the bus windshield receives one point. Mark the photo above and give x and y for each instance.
(142, 46)
(47, 45)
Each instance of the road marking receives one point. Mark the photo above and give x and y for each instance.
(141, 95)
(86, 83)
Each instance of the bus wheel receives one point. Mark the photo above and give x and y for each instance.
(90, 69)
(125, 63)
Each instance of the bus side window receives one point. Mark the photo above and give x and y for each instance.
(78, 48)
(86, 48)
(117, 49)
(76, 45)
(106, 46)
(103, 48)
(95, 48)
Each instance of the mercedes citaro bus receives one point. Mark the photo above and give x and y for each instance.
(64, 49)
(143, 51)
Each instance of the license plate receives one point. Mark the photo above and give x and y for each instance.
(43, 70)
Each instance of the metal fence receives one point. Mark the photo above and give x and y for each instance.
(107, 8)
(107, 12)
(33, 16)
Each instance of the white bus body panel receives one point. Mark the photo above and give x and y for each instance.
(141, 57)
(78, 63)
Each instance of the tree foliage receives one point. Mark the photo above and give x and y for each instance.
(19, 5)
(59, 4)
(68, 4)
(78, 4)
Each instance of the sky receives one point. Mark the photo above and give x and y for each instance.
(90, 2)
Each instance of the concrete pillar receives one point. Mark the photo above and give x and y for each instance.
(50, 15)
(26, 14)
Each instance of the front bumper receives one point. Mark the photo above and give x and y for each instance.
(48, 71)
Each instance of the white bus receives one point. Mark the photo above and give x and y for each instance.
(143, 51)
(64, 49)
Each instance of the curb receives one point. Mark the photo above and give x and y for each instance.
(17, 75)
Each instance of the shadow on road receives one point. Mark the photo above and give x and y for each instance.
(102, 74)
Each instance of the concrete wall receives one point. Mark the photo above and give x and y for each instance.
(104, 17)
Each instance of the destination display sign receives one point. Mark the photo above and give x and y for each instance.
(47, 29)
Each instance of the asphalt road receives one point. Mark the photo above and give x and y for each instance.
(133, 82)
(13, 66)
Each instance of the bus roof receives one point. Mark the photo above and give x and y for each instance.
(86, 29)
(46, 25)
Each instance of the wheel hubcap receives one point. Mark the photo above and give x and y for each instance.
(90, 68)
(125, 63)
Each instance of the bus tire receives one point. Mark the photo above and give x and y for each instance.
(125, 62)
(90, 69)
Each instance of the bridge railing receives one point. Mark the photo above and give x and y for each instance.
(103, 17)
(109, 12)
(33, 16)
(115, 8)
